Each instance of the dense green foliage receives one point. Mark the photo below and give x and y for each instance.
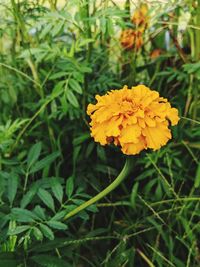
(54, 58)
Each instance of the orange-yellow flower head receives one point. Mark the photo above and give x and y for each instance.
(127, 38)
(134, 119)
(131, 39)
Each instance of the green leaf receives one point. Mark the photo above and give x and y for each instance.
(28, 197)
(57, 225)
(37, 233)
(23, 215)
(56, 29)
(78, 76)
(45, 31)
(44, 162)
(47, 231)
(83, 215)
(18, 230)
(197, 177)
(59, 216)
(34, 154)
(39, 212)
(56, 188)
(85, 42)
(75, 86)
(46, 197)
(134, 194)
(110, 28)
(58, 75)
(158, 192)
(70, 186)
(72, 99)
(12, 187)
(58, 89)
(81, 139)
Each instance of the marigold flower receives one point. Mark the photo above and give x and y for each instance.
(134, 119)
(127, 38)
(131, 38)
(140, 17)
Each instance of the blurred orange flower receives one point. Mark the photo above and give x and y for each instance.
(156, 53)
(140, 17)
(127, 38)
(134, 119)
(131, 38)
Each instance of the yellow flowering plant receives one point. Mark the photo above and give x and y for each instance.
(133, 38)
(134, 119)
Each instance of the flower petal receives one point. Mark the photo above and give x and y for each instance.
(130, 134)
(157, 136)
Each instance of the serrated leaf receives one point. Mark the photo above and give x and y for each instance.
(46, 198)
(57, 189)
(72, 98)
(44, 162)
(12, 187)
(69, 186)
(47, 231)
(34, 154)
(75, 86)
(57, 225)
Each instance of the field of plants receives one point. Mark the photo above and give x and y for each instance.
(99, 133)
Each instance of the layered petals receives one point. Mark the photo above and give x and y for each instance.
(134, 119)
(130, 39)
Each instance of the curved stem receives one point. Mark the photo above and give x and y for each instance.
(123, 174)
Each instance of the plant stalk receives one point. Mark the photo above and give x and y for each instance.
(123, 174)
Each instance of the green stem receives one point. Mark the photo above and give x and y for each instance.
(123, 174)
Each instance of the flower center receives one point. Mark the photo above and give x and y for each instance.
(127, 107)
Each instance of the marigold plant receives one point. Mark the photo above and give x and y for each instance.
(131, 38)
(127, 38)
(134, 119)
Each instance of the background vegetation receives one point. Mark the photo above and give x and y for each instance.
(54, 58)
